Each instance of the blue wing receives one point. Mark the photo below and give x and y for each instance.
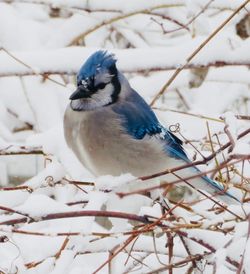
(139, 121)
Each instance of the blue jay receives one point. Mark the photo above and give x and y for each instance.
(112, 130)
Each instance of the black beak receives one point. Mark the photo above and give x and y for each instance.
(78, 94)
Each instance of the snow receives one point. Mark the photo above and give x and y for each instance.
(53, 171)
(33, 204)
(220, 257)
(153, 211)
(109, 182)
(62, 265)
(66, 60)
(38, 64)
(246, 261)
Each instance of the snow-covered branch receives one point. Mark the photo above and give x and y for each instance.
(67, 61)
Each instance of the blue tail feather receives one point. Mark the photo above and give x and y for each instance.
(219, 188)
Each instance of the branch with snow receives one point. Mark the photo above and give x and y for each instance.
(32, 63)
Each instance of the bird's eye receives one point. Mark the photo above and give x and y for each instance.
(101, 86)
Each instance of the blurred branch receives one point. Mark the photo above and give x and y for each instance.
(20, 150)
(27, 125)
(115, 19)
(182, 26)
(29, 103)
(201, 46)
(220, 120)
(33, 71)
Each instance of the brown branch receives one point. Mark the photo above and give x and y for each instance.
(170, 251)
(10, 210)
(65, 242)
(177, 227)
(77, 202)
(85, 213)
(14, 188)
(184, 242)
(242, 117)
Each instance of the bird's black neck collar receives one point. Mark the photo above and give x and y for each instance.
(116, 84)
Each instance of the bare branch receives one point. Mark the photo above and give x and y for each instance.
(21, 150)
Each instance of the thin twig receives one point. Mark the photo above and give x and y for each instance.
(212, 149)
(65, 242)
(85, 213)
(33, 70)
(10, 210)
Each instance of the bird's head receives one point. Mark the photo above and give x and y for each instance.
(97, 82)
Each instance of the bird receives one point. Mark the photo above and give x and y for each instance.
(112, 130)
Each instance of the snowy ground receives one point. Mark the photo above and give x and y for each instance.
(49, 202)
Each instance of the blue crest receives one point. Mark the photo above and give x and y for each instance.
(97, 62)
